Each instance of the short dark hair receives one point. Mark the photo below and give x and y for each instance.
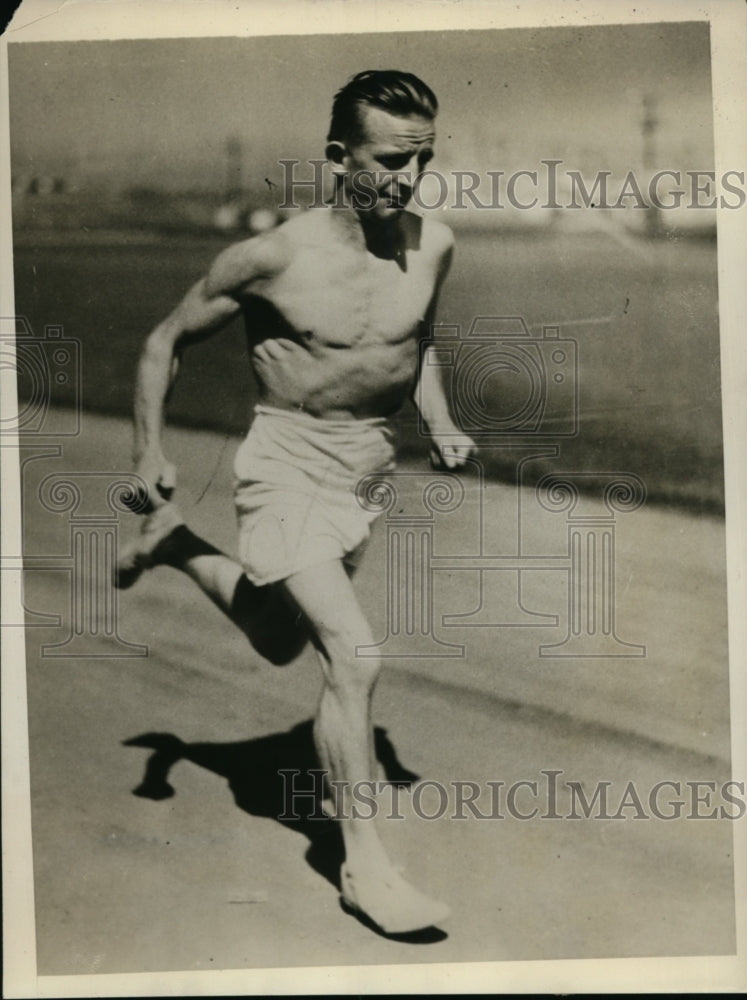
(393, 91)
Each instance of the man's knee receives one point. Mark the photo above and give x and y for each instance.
(350, 664)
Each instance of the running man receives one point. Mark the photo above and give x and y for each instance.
(335, 302)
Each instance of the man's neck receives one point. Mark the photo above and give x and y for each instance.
(381, 237)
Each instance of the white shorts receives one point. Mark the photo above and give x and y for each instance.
(295, 482)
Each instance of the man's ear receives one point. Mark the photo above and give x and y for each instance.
(337, 152)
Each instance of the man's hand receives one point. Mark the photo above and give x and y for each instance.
(282, 367)
(160, 480)
(451, 451)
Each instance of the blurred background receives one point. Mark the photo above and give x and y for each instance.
(135, 162)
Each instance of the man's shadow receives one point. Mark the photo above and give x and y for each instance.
(254, 771)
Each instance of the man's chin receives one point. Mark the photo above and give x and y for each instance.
(388, 210)
(383, 213)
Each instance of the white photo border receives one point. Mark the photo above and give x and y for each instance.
(46, 20)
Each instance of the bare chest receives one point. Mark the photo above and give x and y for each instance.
(333, 301)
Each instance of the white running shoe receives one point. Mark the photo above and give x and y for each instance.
(391, 902)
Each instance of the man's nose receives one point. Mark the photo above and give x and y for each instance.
(403, 180)
(415, 167)
(407, 176)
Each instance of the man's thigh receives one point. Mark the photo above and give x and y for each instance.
(325, 597)
(272, 621)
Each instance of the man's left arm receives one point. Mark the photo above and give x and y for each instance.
(450, 447)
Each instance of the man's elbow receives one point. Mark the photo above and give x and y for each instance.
(163, 341)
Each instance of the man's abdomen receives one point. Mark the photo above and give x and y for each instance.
(356, 382)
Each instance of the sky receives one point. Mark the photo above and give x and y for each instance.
(159, 112)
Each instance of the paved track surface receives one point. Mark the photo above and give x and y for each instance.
(208, 879)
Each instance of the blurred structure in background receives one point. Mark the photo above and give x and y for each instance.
(91, 197)
(652, 222)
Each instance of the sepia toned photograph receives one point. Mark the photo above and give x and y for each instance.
(368, 457)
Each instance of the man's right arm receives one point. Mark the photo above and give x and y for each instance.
(206, 307)
(200, 313)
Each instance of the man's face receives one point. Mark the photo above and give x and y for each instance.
(383, 164)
